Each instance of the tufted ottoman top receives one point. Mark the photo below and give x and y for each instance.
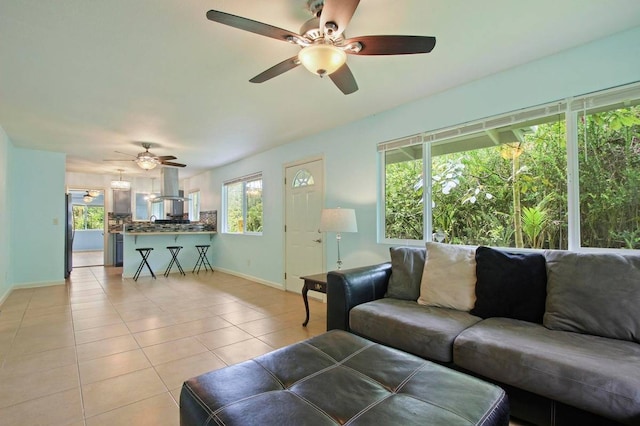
(340, 378)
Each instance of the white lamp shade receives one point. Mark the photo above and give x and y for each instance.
(338, 220)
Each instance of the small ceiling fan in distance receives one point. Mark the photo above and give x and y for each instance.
(324, 44)
(148, 161)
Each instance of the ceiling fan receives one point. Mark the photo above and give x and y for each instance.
(148, 161)
(324, 46)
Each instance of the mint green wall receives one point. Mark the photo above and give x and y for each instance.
(351, 159)
(37, 185)
(5, 224)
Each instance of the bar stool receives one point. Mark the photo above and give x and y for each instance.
(144, 252)
(174, 260)
(202, 259)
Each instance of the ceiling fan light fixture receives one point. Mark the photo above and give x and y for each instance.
(147, 161)
(87, 198)
(322, 59)
(94, 192)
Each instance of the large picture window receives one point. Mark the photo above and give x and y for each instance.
(609, 164)
(243, 205)
(505, 181)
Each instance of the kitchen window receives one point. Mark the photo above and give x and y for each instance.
(194, 206)
(243, 205)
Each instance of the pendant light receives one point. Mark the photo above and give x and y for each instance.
(118, 185)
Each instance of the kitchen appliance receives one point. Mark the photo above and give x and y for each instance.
(69, 234)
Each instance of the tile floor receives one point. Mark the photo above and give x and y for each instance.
(88, 258)
(103, 350)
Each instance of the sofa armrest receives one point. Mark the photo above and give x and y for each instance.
(349, 288)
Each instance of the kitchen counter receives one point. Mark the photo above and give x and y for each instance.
(159, 237)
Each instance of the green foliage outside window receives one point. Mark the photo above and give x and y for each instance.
(244, 207)
(88, 217)
(515, 194)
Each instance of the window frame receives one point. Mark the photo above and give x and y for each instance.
(244, 180)
(569, 108)
(193, 205)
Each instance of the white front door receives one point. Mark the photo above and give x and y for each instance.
(304, 246)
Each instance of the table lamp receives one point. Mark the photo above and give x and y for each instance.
(338, 221)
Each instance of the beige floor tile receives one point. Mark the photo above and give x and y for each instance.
(62, 408)
(242, 316)
(160, 410)
(111, 366)
(106, 347)
(263, 326)
(30, 363)
(46, 339)
(175, 393)
(242, 351)
(29, 313)
(117, 392)
(224, 308)
(15, 389)
(150, 323)
(186, 315)
(97, 321)
(174, 373)
(179, 331)
(100, 333)
(288, 336)
(223, 337)
(9, 328)
(174, 350)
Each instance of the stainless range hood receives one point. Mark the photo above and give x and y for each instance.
(170, 190)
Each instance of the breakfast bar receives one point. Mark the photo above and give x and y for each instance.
(158, 237)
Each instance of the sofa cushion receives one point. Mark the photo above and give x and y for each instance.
(407, 264)
(510, 285)
(449, 277)
(595, 294)
(425, 331)
(593, 373)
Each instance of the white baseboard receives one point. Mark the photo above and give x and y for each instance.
(251, 278)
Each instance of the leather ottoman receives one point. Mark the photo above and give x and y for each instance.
(339, 378)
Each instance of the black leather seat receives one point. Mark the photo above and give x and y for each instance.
(336, 378)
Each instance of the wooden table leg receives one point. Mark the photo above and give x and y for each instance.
(305, 290)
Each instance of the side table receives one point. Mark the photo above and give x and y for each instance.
(316, 282)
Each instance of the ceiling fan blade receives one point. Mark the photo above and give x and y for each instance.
(124, 153)
(166, 157)
(339, 12)
(344, 79)
(170, 163)
(392, 44)
(276, 70)
(251, 25)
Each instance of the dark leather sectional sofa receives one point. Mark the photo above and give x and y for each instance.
(574, 359)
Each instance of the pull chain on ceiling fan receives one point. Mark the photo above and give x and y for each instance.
(324, 47)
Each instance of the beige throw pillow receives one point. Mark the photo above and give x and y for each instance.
(449, 277)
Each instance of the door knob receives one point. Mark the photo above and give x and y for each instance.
(319, 240)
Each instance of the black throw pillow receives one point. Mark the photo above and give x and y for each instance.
(510, 285)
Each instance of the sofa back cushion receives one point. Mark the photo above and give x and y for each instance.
(449, 277)
(407, 264)
(592, 293)
(510, 285)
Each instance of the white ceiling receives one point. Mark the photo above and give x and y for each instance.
(92, 77)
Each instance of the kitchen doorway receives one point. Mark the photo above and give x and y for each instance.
(88, 227)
